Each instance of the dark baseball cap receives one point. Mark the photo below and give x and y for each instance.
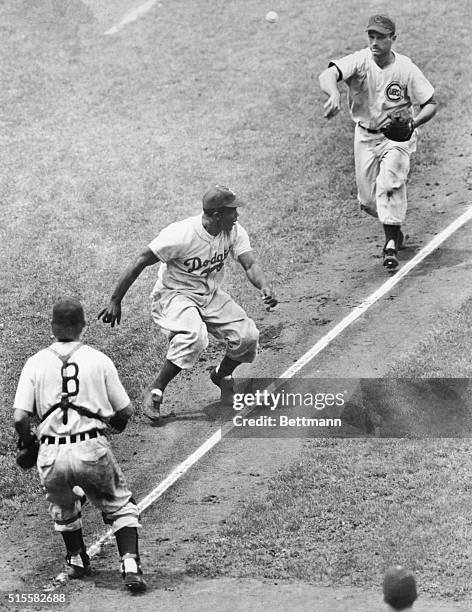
(399, 587)
(219, 197)
(381, 24)
(68, 312)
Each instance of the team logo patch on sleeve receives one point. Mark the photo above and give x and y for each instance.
(394, 91)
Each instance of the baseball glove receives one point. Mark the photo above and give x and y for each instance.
(400, 128)
(27, 454)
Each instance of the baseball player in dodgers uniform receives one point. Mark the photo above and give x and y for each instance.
(187, 299)
(382, 84)
(74, 454)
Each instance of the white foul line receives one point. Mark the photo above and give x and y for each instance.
(381, 291)
(131, 16)
(183, 467)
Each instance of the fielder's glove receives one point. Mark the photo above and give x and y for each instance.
(27, 453)
(400, 128)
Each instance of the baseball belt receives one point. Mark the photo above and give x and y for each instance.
(78, 437)
(369, 130)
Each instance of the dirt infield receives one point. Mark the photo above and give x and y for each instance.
(231, 595)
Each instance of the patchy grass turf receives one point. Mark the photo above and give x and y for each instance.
(445, 351)
(349, 509)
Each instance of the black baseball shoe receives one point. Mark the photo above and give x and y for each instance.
(132, 573)
(225, 383)
(78, 565)
(390, 261)
(153, 410)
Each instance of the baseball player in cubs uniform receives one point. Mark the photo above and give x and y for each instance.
(382, 84)
(188, 301)
(75, 392)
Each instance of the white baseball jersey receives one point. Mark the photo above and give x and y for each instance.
(375, 92)
(192, 260)
(40, 387)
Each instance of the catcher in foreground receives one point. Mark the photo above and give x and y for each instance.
(76, 393)
(383, 86)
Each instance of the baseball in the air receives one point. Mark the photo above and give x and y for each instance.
(272, 17)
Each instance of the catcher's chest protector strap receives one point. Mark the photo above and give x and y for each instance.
(65, 402)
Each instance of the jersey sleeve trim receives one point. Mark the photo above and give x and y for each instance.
(340, 74)
(432, 100)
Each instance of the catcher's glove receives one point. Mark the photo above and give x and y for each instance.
(27, 454)
(399, 128)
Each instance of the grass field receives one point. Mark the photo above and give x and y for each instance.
(108, 139)
(350, 508)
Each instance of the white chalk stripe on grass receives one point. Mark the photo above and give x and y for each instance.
(183, 467)
(131, 16)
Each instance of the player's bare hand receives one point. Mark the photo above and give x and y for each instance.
(332, 106)
(111, 314)
(269, 298)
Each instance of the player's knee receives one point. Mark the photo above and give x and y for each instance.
(249, 339)
(252, 337)
(391, 180)
(71, 524)
(198, 339)
(126, 516)
(194, 341)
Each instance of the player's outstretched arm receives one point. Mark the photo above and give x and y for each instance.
(257, 277)
(329, 84)
(112, 313)
(426, 113)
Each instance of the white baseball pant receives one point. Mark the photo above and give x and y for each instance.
(382, 168)
(91, 465)
(186, 323)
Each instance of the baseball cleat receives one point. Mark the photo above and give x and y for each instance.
(154, 412)
(132, 574)
(225, 384)
(78, 565)
(390, 261)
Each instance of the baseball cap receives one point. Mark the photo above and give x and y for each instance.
(382, 24)
(68, 312)
(399, 587)
(219, 197)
